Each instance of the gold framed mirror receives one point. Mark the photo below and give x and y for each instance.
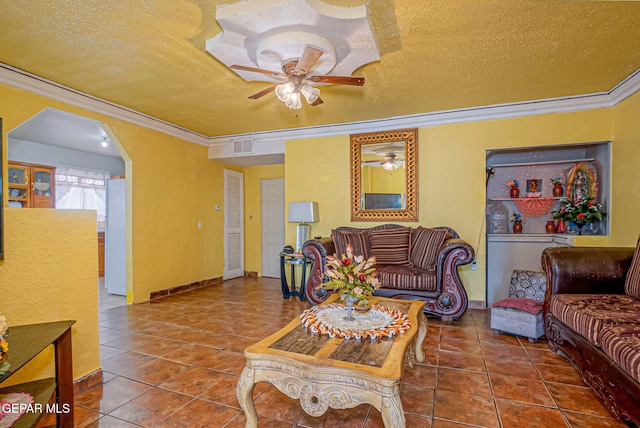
(384, 176)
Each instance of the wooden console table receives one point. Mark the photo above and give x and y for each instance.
(27, 341)
(325, 372)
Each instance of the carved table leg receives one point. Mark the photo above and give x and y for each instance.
(422, 333)
(244, 394)
(392, 413)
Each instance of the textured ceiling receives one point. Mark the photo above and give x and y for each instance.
(435, 55)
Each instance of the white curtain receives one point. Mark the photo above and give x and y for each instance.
(82, 189)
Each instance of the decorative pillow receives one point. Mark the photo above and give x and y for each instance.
(425, 244)
(528, 284)
(391, 246)
(632, 282)
(358, 240)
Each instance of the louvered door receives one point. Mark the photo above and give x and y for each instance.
(233, 224)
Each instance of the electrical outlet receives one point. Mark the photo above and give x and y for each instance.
(474, 265)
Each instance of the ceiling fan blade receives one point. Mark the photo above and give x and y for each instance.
(257, 70)
(263, 92)
(317, 102)
(338, 80)
(308, 59)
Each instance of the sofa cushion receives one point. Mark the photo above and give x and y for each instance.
(358, 240)
(622, 345)
(391, 246)
(425, 244)
(406, 278)
(589, 314)
(632, 282)
(528, 305)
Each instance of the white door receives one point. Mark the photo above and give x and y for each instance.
(115, 244)
(233, 224)
(272, 197)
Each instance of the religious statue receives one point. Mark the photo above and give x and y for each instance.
(581, 183)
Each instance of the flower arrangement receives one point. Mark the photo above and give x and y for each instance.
(517, 217)
(557, 180)
(512, 183)
(4, 345)
(351, 276)
(582, 212)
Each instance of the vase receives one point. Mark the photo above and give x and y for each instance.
(558, 191)
(361, 307)
(560, 227)
(349, 301)
(514, 192)
(517, 227)
(550, 227)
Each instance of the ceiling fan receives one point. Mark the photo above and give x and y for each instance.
(298, 77)
(389, 162)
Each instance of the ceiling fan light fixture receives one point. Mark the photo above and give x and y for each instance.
(389, 165)
(310, 93)
(294, 101)
(284, 91)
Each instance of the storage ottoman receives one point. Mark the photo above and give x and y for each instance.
(521, 313)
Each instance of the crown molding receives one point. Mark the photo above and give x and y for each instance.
(28, 82)
(624, 89)
(20, 79)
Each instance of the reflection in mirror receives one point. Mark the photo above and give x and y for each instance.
(384, 176)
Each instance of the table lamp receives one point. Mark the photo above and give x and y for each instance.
(304, 212)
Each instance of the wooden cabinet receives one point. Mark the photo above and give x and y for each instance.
(31, 185)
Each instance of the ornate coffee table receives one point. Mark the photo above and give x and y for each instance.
(325, 372)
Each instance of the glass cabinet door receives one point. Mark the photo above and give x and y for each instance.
(42, 187)
(18, 185)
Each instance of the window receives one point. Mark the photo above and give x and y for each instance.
(80, 189)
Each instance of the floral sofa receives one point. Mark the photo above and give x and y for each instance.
(411, 263)
(592, 317)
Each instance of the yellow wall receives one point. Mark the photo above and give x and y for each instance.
(49, 274)
(451, 173)
(625, 195)
(253, 177)
(172, 186)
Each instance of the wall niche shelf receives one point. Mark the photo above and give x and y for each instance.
(502, 165)
(507, 251)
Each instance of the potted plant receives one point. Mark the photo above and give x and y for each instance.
(557, 190)
(580, 213)
(517, 220)
(353, 277)
(515, 191)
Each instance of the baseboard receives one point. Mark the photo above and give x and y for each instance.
(477, 304)
(87, 382)
(250, 274)
(185, 287)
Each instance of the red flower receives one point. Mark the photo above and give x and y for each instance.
(362, 278)
(345, 262)
(580, 216)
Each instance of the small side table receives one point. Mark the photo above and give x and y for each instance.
(293, 259)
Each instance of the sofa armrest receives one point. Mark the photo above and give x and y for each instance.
(317, 250)
(585, 270)
(453, 252)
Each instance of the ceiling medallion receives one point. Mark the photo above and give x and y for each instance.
(297, 44)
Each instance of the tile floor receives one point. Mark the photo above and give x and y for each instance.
(174, 362)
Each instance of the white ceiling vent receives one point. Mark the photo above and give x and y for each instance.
(242, 147)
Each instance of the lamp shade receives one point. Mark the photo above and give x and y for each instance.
(305, 212)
